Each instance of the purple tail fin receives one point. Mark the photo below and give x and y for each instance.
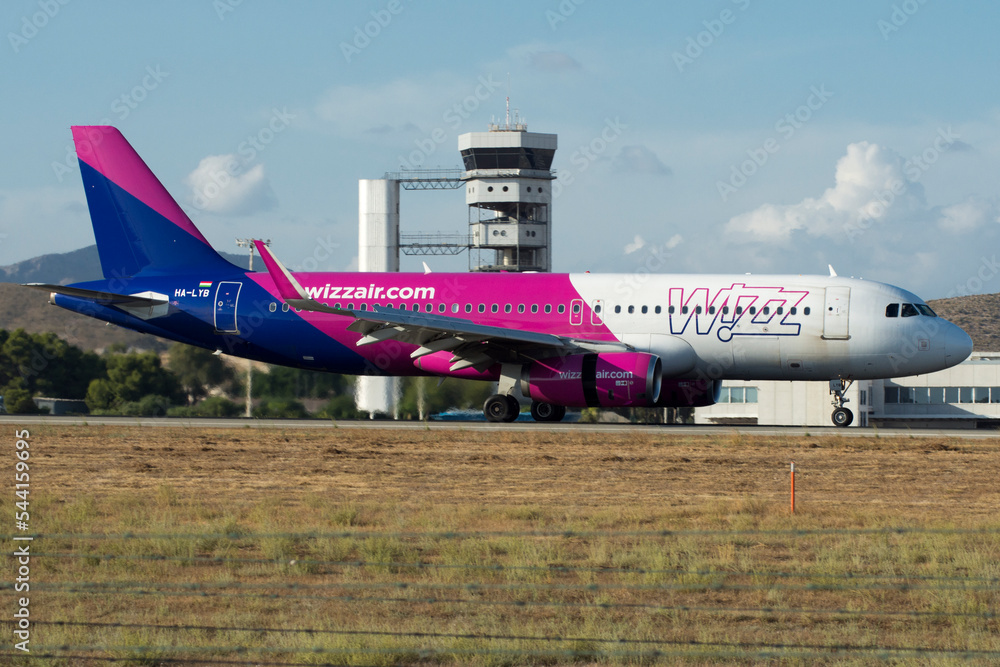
(139, 227)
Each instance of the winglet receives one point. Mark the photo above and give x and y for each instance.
(288, 286)
(289, 289)
(833, 274)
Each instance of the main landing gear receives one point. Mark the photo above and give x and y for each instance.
(505, 408)
(501, 408)
(841, 417)
(546, 412)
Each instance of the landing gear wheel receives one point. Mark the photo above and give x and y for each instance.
(501, 408)
(546, 412)
(842, 417)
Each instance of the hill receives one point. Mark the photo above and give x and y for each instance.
(29, 309)
(71, 267)
(978, 314)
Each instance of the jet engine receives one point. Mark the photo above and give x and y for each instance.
(610, 380)
(689, 393)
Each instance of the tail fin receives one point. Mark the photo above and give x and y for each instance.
(139, 227)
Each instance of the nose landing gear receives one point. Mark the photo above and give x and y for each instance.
(841, 417)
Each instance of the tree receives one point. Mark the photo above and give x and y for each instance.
(198, 370)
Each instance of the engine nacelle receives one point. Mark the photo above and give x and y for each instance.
(610, 380)
(689, 393)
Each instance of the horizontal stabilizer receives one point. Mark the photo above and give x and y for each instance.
(149, 299)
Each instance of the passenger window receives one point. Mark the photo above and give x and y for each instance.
(429, 308)
(534, 308)
(548, 308)
(711, 310)
(494, 308)
(402, 306)
(454, 307)
(631, 309)
(645, 309)
(892, 310)
(561, 309)
(909, 310)
(767, 310)
(482, 308)
(520, 308)
(597, 309)
(506, 308)
(618, 309)
(725, 310)
(657, 310)
(739, 310)
(441, 308)
(284, 307)
(468, 307)
(805, 311)
(781, 310)
(793, 311)
(684, 310)
(753, 310)
(671, 310)
(273, 307)
(697, 310)
(576, 308)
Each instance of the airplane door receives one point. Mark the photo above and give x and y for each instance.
(226, 297)
(576, 312)
(836, 314)
(596, 308)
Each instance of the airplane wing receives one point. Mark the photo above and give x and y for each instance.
(472, 345)
(143, 299)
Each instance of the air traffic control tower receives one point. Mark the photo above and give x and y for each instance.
(508, 177)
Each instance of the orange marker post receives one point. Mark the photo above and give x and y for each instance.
(793, 487)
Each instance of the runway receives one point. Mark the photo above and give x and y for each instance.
(22, 421)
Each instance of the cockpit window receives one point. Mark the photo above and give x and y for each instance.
(892, 310)
(926, 310)
(909, 310)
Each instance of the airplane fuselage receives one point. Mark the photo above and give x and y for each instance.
(767, 327)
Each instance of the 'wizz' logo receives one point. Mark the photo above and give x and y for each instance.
(736, 311)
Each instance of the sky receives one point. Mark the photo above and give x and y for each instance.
(723, 136)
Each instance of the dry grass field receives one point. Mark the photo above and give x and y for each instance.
(378, 547)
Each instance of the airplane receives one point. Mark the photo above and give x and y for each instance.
(560, 340)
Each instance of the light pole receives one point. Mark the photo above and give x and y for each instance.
(248, 243)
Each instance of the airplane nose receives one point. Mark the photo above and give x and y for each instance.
(957, 345)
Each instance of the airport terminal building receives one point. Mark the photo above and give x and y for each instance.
(965, 396)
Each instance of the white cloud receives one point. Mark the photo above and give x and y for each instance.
(640, 159)
(221, 184)
(674, 241)
(552, 61)
(969, 215)
(638, 244)
(870, 187)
